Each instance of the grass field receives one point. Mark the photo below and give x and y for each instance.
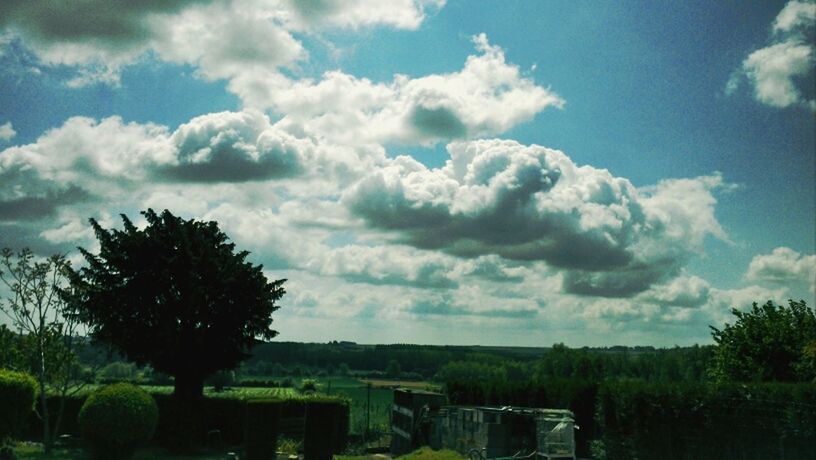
(381, 399)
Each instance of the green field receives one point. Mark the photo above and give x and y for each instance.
(357, 392)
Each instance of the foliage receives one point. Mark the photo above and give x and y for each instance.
(117, 419)
(289, 446)
(221, 379)
(393, 369)
(118, 371)
(471, 371)
(426, 453)
(17, 394)
(10, 353)
(7, 453)
(767, 343)
(308, 386)
(703, 421)
(426, 361)
(174, 295)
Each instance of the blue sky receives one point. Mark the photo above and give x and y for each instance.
(435, 172)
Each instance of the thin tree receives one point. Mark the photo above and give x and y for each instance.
(37, 311)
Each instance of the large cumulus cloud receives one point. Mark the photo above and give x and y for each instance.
(533, 203)
(74, 167)
(217, 147)
(487, 96)
(234, 147)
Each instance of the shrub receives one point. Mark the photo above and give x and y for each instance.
(17, 393)
(119, 371)
(221, 379)
(308, 386)
(116, 419)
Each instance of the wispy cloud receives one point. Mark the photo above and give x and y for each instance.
(7, 132)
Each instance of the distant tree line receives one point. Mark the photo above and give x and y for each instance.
(443, 362)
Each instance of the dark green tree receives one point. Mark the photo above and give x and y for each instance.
(175, 295)
(393, 369)
(766, 343)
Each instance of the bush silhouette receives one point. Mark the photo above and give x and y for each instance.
(116, 420)
(17, 392)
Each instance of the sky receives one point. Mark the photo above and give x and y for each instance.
(429, 171)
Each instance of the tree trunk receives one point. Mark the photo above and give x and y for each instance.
(46, 419)
(60, 412)
(186, 426)
(189, 388)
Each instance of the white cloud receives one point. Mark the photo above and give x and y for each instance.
(794, 15)
(488, 96)
(683, 291)
(83, 149)
(214, 148)
(620, 311)
(774, 69)
(7, 132)
(394, 265)
(533, 203)
(771, 71)
(401, 14)
(224, 39)
(234, 147)
(783, 266)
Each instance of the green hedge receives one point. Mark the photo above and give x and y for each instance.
(326, 429)
(17, 393)
(228, 421)
(698, 421)
(261, 429)
(117, 419)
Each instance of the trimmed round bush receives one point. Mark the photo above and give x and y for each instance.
(17, 393)
(116, 420)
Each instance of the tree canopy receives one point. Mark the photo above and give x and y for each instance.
(175, 295)
(767, 343)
